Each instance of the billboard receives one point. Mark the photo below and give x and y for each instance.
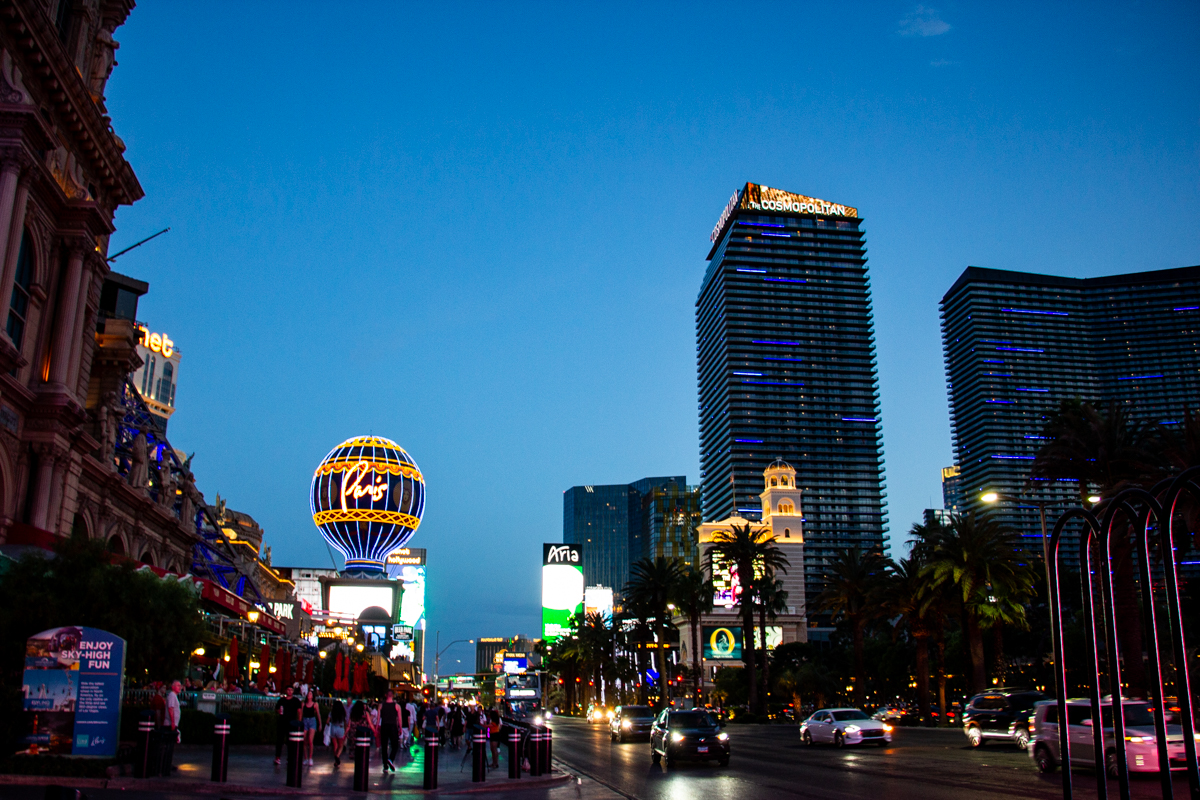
(562, 588)
(72, 692)
(755, 197)
(348, 598)
(408, 565)
(598, 600)
(722, 643)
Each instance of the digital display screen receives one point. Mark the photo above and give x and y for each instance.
(352, 600)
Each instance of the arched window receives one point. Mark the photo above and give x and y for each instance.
(115, 545)
(148, 377)
(787, 533)
(147, 558)
(786, 508)
(774, 482)
(18, 306)
(783, 481)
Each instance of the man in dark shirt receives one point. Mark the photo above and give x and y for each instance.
(389, 730)
(287, 711)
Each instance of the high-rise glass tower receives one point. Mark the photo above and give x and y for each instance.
(785, 355)
(1017, 344)
(608, 523)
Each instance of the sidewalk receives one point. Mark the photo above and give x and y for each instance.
(252, 772)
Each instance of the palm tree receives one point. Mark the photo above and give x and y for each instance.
(907, 595)
(595, 638)
(982, 560)
(652, 585)
(693, 599)
(852, 595)
(772, 601)
(751, 553)
(1105, 451)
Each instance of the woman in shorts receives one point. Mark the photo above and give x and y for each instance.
(310, 716)
(337, 731)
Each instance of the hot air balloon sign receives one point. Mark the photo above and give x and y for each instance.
(367, 499)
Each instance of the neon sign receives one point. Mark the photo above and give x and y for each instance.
(367, 499)
(158, 342)
(755, 197)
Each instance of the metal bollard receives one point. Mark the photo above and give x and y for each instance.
(431, 762)
(479, 757)
(535, 750)
(142, 763)
(220, 765)
(362, 759)
(295, 764)
(514, 753)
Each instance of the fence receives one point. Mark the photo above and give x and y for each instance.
(222, 702)
(1148, 518)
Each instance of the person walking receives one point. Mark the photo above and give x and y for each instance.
(171, 727)
(311, 718)
(410, 722)
(494, 736)
(337, 731)
(389, 730)
(287, 711)
(458, 724)
(360, 720)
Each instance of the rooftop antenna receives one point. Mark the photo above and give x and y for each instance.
(139, 244)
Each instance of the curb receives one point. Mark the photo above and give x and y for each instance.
(207, 787)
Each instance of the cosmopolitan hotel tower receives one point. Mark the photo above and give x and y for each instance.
(786, 365)
(1017, 344)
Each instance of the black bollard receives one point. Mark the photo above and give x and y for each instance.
(142, 765)
(514, 752)
(295, 764)
(220, 767)
(535, 750)
(479, 757)
(362, 759)
(431, 762)
(549, 749)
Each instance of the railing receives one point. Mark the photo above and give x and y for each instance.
(1150, 518)
(222, 702)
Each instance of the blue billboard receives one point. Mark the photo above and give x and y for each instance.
(72, 692)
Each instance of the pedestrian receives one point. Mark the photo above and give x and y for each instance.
(360, 721)
(389, 730)
(458, 723)
(171, 727)
(287, 711)
(311, 719)
(494, 736)
(430, 724)
(410, 722)
(337, 731)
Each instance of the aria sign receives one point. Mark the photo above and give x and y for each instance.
(754, 197)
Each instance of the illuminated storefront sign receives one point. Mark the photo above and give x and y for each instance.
(562, 588)
(367, 498)
(754, 197)
(722, 643)
(408, 565)
(158, 342)
(598, 600)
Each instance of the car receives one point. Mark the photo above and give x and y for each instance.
(598, 713)
(1000, 714)
(1141, 748)
(892, 712)
(692, 735)
(844, 726)
(631, 722)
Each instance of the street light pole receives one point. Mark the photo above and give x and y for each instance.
(437, 659)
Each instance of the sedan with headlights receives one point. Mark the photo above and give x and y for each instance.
(692, 735)
(631, 722)
(844, 726)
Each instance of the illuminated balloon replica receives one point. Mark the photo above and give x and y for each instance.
(368, 496)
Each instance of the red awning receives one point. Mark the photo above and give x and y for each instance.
(230, 601)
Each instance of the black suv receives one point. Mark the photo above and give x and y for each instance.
(1000, 714)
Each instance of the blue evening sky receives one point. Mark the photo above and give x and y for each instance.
(479, 230)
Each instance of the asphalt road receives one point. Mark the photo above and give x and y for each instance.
(770, 762)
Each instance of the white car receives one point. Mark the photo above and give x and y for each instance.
(843, 726)
(1141, 746)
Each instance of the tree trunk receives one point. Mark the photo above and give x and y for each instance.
(1000, 671)
(922, 643)
(660, 653)
(943, 719)
(697, 661)
(975, 647)
(859, 678)
(766, 662)
(748, 651)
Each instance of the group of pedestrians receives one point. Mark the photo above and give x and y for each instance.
(392, 724)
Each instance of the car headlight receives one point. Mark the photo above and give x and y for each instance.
(722, 737)
(1196, 736)
(537, 720)
(1140, 739)
(608, 714)
(626, 723)
(676, 737)
(549, 715)
(852, 729)
(887, 728)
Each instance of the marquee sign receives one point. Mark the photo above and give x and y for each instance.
(367, 499)
(754, 197)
